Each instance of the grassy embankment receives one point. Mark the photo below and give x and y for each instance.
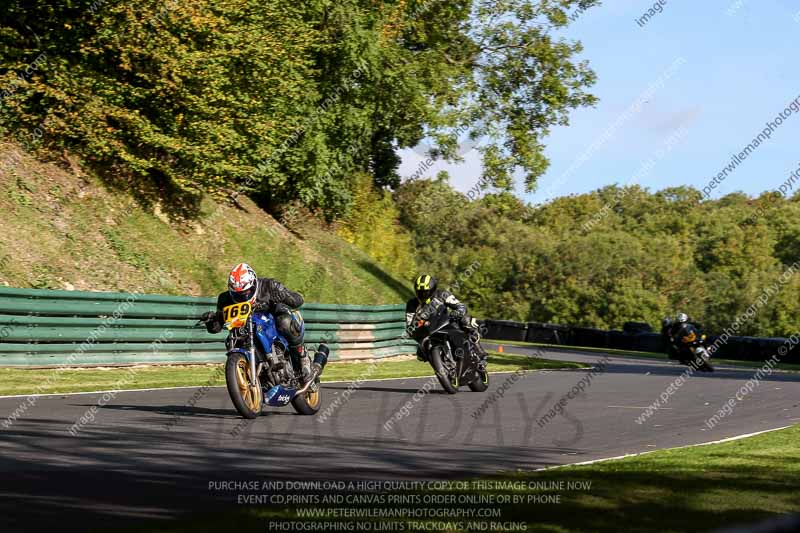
(64, 229)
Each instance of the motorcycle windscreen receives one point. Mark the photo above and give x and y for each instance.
(278, 396)
(438, 319)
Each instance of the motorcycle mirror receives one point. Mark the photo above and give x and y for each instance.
(278, 396)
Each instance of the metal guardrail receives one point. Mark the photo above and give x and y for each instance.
(52, 327)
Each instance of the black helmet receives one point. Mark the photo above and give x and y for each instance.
(667, 322)
(424, 287)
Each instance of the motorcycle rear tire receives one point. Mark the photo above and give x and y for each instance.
(704, 366)
(309, 402)
(481, 383)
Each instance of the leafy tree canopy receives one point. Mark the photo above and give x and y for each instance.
(614, 255)
(287, 100)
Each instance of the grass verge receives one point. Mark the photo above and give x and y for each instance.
(631, 353)
(25, 381)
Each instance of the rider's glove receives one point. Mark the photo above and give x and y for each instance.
(467, 322)
(212, 321)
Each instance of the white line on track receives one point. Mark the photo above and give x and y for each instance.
(729, 439)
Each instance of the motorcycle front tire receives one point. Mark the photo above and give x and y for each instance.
(450, 385)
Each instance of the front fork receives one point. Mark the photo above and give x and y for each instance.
(253, 374)
(457, 362)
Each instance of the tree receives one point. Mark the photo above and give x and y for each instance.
(614, 255)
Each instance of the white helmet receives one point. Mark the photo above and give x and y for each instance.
(242, 283)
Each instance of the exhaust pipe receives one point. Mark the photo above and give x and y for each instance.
(321, 357)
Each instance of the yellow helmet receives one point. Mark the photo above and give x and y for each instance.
(424, 286)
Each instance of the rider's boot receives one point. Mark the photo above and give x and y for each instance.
(474, 340)
(306, 362)
(313, 369)
(483, 358)
(301, 363)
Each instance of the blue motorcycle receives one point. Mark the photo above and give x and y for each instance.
(259, 361)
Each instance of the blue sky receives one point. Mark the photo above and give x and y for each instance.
(738, 66)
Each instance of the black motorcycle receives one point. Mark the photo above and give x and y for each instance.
(449, 349)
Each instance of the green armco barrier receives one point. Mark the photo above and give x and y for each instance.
(79, 349)
(103, 308)
(101, 296)
(111, 358)
(79, 328)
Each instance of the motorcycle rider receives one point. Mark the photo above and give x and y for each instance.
(272, 296)
(666, 335)
(679, 329)
(426, 291)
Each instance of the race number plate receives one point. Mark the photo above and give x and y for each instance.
(235, 316)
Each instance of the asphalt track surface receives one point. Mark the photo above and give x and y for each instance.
(128, 464)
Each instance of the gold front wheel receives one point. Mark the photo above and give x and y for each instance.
(246, 398)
